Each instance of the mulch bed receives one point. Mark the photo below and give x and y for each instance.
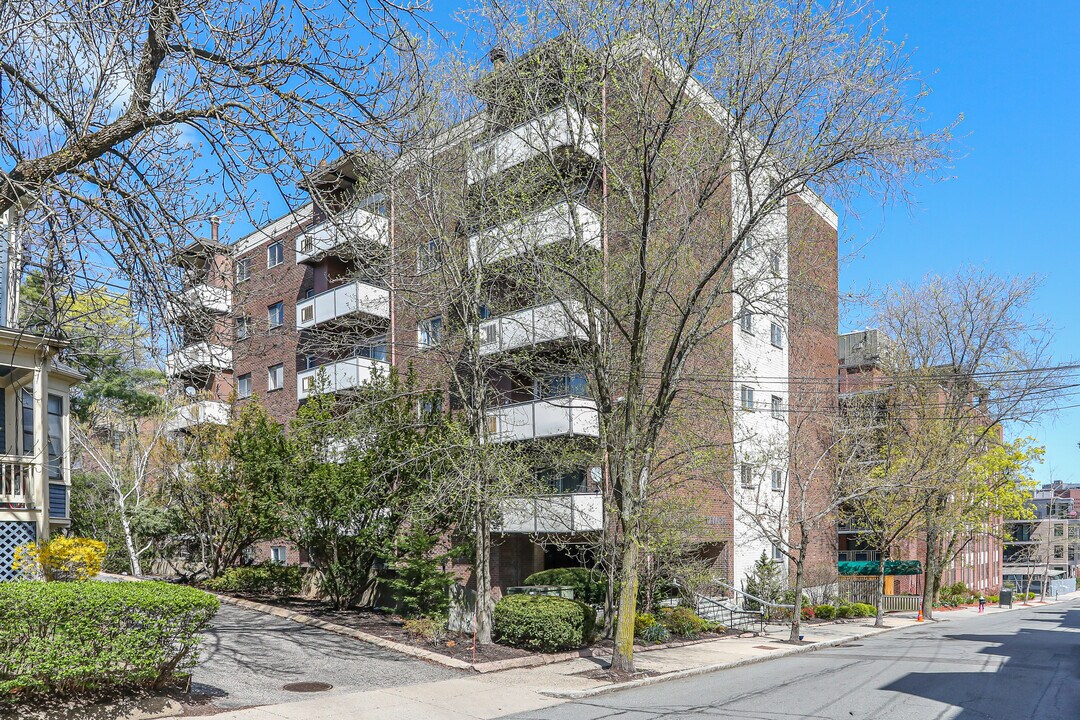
(460, 647)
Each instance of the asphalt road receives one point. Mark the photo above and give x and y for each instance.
(248, 657)
(1006, 666)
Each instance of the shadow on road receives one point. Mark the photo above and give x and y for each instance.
(1036, 676)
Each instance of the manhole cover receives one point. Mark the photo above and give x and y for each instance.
(307, 687)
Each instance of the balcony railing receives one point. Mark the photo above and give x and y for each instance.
(15, 475)
(858, 555)
(340, 375)
(551, 225)
(203, 298)
(198, 413)
(561, 513)
(563, 127)
(351, 226)
(547, 323)
(196, 356)
(554, 417)
(356, 297)
(849, 528)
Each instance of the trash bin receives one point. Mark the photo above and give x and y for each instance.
(1005, 598)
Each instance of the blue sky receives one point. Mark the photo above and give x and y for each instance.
(1013, 70)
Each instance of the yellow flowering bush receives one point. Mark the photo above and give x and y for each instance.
(61, 558)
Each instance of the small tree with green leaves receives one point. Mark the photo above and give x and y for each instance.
(765, 581)
(420, 583)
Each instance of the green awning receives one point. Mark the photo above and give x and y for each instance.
(892, 567)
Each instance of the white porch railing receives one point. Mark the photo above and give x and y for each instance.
(356, 297)
(196, 355)
(546, 227)
(553, 417)
(203, 297)
(532, 326)
(15, 476)
(197, 413)
(558, 128)
(340, 375)
(355, 225)
(559, 513)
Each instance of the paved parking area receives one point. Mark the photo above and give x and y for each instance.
(248, 657)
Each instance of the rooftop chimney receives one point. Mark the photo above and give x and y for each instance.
(498, 57)
(215, 222)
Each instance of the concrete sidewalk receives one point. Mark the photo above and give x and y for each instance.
(483, 697)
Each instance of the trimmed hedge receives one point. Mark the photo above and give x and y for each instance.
(63, 638)
(262, 579)
(589, 586)
(825, 612)
(864, 610)
(543, 622)
(682, 621)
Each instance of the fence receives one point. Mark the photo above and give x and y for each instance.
(864, 590)
(720, 611)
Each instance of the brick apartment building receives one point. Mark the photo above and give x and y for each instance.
(329, 288)
(979, 562)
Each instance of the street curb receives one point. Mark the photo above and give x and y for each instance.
(706, 669)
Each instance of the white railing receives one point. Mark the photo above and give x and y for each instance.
(204, 297)
(554, 417)
(858, 555)
(356, 297)
(558, 128)
(197, 413)
(15, 475)
(355, 225)
(197, 355)
(532, 326)
(560, 513)
(900, 603)
(340, 375)
(558, 223)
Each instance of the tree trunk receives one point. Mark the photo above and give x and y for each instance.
(622, 659)
(879, 609)
(930, 586)
(796, 615)
(129, 542)
(484, 606)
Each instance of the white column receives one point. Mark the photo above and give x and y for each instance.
(40, 490)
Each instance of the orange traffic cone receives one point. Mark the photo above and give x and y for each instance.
(919, 619)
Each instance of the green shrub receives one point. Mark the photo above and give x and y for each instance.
(825, 612)
(543, 622)
(427, 629)
(262, 579)
(655, 633)
(682, 621)
(845, 611)
(864, 610)
(643, 622)
(992, 598)
(589, 586)
(62, 638)
(420, 585)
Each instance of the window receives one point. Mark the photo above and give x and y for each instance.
(562, 386)
(275, 377)
(746, 321)
(1059, 552)
(748, 242)
(275, 254)
(430, 332)
(746, 475)
(428, 256)
(308, 362)
(777, 405)
(774, 262)
(243, 385)
(278, 555)
(778, 480)
(430, 404)
(243, 328)
(777, 554)
(564, 481)
(56, 436)
(373, 349)
(1059, 530)
(27, 422)
(776, 335)
(747, 396)
(275, 315)
(243, 270)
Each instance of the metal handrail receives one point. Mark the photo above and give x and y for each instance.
(755, 598)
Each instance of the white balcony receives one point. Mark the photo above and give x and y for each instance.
(533, 326)
(211, 412)
(202, 355)
(203, 298)
(562, 513)
(563, 127)
(555, 417)
(340, 375)
(354, 227)
(356, 297)
(16, 473)
(557, 224)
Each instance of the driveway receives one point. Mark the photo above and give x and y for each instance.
(248, 657)
(1004, 666)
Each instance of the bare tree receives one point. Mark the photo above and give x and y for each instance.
(709, 121)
